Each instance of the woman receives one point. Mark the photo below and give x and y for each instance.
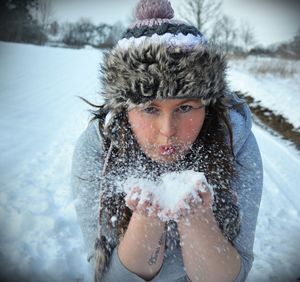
(167, 108)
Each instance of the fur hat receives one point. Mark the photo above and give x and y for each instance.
(159, 57)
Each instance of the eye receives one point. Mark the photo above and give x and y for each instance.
(184, 108)
(150, 110)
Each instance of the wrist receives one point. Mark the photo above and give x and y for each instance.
(146, 220)
(202, 217)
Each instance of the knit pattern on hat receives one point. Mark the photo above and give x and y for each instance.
(161, 29)
(180, 41)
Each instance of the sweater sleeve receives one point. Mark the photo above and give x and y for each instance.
(116, 271)
(172, 269)
(248, 187)
(85, 182)
(87, 163)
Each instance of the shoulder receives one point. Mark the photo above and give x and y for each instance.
(90, 136)
(245, 146)
(86, 181)
(88, 150)
(247, 154)
(240, 118)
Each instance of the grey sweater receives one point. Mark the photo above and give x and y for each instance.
(86, 168)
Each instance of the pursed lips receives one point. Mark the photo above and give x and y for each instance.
(167, 150)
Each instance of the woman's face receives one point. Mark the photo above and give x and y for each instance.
(166, 129)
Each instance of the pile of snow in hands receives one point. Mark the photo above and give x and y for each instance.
(172, 193)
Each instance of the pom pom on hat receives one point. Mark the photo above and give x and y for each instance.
(154, 9)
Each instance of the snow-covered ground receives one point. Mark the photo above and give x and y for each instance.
(278, 90)
(41, 119)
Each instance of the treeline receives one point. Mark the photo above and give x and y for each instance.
(84, 32)
(290, 49)
(29, 21)
(17, 23)
(237, 39)
(287, 50)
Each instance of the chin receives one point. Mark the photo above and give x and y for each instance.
(165, 159)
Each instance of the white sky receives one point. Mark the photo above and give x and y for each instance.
(272, 22)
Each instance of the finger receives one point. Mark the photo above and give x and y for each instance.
(149, 196)
(198, 186)
(156, 208)
(162, 214)
(174, 215)
(132, 199)
(154, 211)
(132, 204)
(167, 212)
(206, 198)
(135, 195)
(188, 198)
(135, 189)
(182, 204)
(140, 208)
(202, 186)
(190, 203)
(182, 213)
(193, 205)
(145, 204)
(145, 207)
(194, 200)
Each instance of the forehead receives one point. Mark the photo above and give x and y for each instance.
(173, 102)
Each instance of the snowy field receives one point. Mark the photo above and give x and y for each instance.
(41, 118)
(278, 90)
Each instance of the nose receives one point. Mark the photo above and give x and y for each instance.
(167, 126)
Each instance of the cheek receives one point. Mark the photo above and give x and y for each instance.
(141, 127)
(190, 128)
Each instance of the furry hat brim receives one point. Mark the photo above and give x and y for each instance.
(156, 71)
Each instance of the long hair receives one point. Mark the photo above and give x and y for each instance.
(212, 153)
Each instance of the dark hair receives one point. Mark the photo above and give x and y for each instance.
(213, 136)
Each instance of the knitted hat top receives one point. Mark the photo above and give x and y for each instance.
(156, 18)
(159, 57)
(156, 9)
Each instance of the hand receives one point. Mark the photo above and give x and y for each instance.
(201, 213)
(206, 194)
(198, 200)
(184, 207)
(142, 202)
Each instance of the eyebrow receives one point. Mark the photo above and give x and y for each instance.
(182, 102)
(190, 100)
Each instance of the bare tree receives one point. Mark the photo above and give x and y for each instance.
(201, 13)
(247, 36)
(225, 33)
(17, 23)
(296, 43)
(54, 28)
(115, 34)
(45, 12)
(85, 30)
(78, 34)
